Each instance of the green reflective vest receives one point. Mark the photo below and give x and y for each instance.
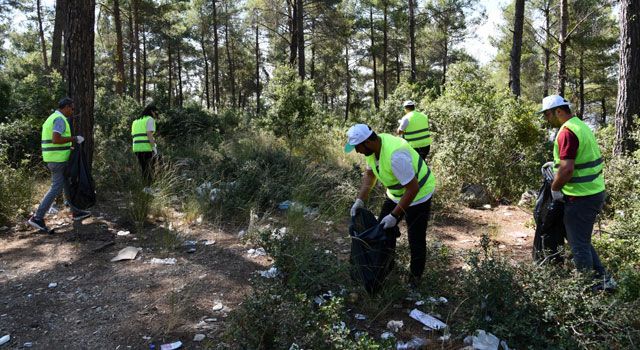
(141, 141)
(587, 172)
(417, 132)
(55, 153)
(384, 172)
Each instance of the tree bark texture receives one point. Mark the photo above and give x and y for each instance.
(132, 50)
(581, 86)
(58, 29)
(412, 39)
(179, 64)
(170, 65)
(376, 97)
(562, 47)
(79, 53)
(516, 49)
(120, 79)
(144, 64)
(231, 66)
(136, 13)
(628, 103)
(43, 43)
(385, 48)
(300, 37)
(348, 87)
(547, 52)
(216, 58)
(257, 54)
(206, 68)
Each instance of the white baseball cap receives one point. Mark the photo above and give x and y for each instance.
(553, 101)
(356, 135)
(408, 103)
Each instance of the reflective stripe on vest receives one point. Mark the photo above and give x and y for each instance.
(141, 141)
(417, 132)
(587, 176)
(51, 152)
(384, 172)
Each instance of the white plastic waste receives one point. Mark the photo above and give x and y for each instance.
(394, 325)
(485, 341)
(171, 346)
(5, 339)
(167, 261)
(413, 344)
(427, 319)
(270, 273)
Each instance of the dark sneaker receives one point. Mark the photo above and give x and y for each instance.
(608, 285)
(38, 224)
(83, 214)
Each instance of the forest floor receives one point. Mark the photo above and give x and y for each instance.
(61, 291)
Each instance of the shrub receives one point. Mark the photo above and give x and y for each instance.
(15, 196)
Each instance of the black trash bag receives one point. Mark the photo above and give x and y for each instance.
(81, 186)
(550, 231)
(372, 250)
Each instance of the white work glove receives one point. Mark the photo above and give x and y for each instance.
(358, 204)
(79, 139)
(557, 196)
(155, 150)
(389, 221)
(548, 165)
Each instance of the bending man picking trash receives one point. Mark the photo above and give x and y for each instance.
(56, 145)
(579, 182)
(410, 185)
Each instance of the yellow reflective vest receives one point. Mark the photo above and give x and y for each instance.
(55, 153)
(417, 132)
(141, 142)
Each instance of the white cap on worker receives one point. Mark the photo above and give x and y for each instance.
(553, 101)
(408, 103)
(356, 135)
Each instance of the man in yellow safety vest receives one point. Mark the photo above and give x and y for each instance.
(414, 127)
(410, 185)
(144, 143)
(579, 182)
(56, 144)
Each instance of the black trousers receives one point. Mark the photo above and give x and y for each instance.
(146, 161)
(417, 218)
(423, 151)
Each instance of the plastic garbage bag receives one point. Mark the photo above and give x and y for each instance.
(485, 341)
(548, 215)
(81, 186)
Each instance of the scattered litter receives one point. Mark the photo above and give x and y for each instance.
(419, 302)
(394, 326)
(208, 242)
(53, 210)
(242, 233)
(445, 337)
(209, 320)
(270, 273)
(4, 228)
(27, 344)
(414, 344)
(128, 253)
(123, 233)
(440, 300)
(171, 346)
(5, 339)
(339, 326)
(323, 298)
(484, 341)
(190, 246)
(146, 337)
(427, 319)
(256, 252)
(502, 246)
(360, 317)
(53, 285)
(199, 337)
(166, 261)
(286, 205)
(487, 206)
(218, 307)
(279, 233)
(199, 219)
(386, 335)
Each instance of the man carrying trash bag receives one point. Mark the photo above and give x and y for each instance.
(409, 182)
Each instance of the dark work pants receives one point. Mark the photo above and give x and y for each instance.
(416, 217)
(579, 217)
(146, 165)
(423, 151)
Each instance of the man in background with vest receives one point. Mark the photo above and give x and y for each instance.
(410, 185)
(578, 182)
(144, 143)
(414, 127)
(56, 142)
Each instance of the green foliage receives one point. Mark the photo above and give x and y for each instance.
(391, 111)
(16, 194)
(487, 136)
(181, 124)
(291, 110)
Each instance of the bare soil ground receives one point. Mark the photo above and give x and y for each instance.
(99, 304)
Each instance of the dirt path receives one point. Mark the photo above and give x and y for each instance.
(99, 304)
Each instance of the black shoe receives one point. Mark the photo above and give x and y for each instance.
(608, 285)
(82, 214)
(38, 224)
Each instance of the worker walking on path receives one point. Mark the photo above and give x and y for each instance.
(414, 127)
(410, 186)
(144, 143)
(579, 182)
(56, 144)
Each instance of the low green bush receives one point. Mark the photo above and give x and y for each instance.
(17, 189)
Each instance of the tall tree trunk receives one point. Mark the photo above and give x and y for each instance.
(562, 47)
(412, 40)
(628, 104)
(58, 29)
(445, 61)
(291, 22)
(144, 64)
(547, 51)
(230, 63)
(257, 54)
(136, 12)
(398, 64)
(216, 58)
(385, 51)
(120, 79)
(206, 68)
(581, 85)
(79, 53)
(300, 37)
(376, 98)
(132, 50)
(43, 44)
(170, 63)
(603, 118)
(516, 49)
(346, 62)
(179, 85)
